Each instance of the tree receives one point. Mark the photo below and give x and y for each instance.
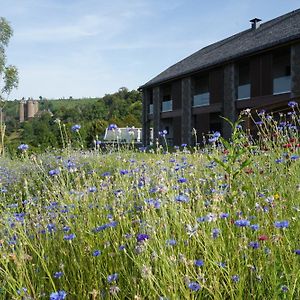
(8, 74)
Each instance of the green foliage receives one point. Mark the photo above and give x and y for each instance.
(123, 108)
(57, 211)
(8, 74)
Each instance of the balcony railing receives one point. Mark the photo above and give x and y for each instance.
(151, 109)
(282, 85)
(244, 91)
(167, 106)
(201, 100)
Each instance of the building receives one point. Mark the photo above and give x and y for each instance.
(28, 109)
(256, 68)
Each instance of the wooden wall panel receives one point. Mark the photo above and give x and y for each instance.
(177, 131)
(266, 75)
(255, 76)
(216, 85)
(176, 94)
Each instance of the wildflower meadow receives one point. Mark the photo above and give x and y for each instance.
(215, 222)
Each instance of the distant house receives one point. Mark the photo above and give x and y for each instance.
(256, 68)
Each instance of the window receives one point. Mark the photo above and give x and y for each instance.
(150, 108)
(201, 94)
(281, 72)
(167, 103)
(244, 86)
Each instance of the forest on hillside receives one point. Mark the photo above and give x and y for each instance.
(123, 108)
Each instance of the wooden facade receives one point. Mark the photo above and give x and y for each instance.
(265, 79)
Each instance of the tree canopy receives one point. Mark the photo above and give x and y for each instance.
(8, 73)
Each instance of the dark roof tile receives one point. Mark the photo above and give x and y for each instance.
(277, 31)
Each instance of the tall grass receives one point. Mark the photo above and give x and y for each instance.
(215, 223)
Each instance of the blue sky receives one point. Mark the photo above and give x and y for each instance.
(88, 48)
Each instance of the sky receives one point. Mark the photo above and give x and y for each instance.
(89, 48)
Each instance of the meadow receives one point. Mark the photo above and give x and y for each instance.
(214, 222)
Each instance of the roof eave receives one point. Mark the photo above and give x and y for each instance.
(224, 61)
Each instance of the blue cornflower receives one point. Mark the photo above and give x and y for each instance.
(54, 172)
(75, 128)
(163, 133)
(242, 223)
(141, 237)
(96, 253)
(182, 180)
(183, 145)
(235, 278)
(100, 228)
(254, 226)
(297, 251)
(22, 291)
(69, 237)
(60, 295)
(224, 215)
(23, 147)
(112, 277)
(284, 288)
(51, 227)
(215, 232)
(124, 172)
(281, 224)
(92, 189)
(254, 245)
(112, 127)
(182, 198)
(171, 242)
(292, 104)
(194, 286)
(199, 262)
(58, 274)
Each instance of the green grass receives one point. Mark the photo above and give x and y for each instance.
(108, 199)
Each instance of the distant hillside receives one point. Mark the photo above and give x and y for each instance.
(123, 108)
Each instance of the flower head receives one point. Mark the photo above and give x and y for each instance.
(60, 295)
(281, 224)
(58, 274)
(112, 127)
(23, 147)
(199, 262)
(112, 277)
(141, 237)
(194, 286)
(69, 237)
(292, 104)
(242, 223)
(235, 278)
(75, 128)
(96, 253)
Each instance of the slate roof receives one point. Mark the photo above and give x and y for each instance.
(277, 31)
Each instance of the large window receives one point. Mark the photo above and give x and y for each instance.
(244, 86)
(281, 72)
(201, 94)
(167, 103)
(150, 108)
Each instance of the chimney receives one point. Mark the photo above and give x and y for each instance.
(255, 23)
